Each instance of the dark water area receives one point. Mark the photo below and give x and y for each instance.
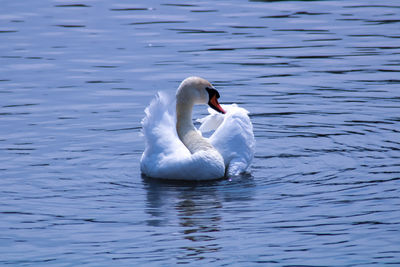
(320, 78)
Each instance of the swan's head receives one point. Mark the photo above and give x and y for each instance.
(195, 91)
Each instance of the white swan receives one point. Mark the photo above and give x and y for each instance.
(175, 149)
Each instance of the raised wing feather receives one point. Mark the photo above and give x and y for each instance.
(233, 137)
(165, 155)
(162, 143)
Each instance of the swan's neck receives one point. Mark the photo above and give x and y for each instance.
(186, 130)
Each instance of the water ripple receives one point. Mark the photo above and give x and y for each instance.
(320, 79)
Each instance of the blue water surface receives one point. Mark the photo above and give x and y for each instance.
(320, 78)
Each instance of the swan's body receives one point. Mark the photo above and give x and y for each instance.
(175, 149)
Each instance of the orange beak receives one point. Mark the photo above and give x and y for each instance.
(213, 100)
(213, 103)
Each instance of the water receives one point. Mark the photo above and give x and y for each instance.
(321, 79)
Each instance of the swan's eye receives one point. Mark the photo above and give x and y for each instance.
(212, 92)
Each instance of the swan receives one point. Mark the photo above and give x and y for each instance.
(175, 149)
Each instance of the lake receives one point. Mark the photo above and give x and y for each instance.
(321, 80)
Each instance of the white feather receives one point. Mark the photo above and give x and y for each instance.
(233, 138)
(165, 155)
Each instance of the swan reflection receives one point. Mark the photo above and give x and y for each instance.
(196, 210)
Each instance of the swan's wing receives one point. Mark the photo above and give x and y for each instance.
(162, 144)
(233, 138)
(210, 122)
(165, 156)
